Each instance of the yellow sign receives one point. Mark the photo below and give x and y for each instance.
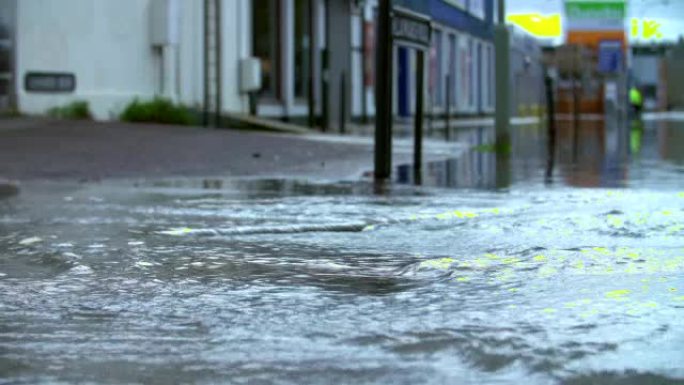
(538, 24)
(647, 29)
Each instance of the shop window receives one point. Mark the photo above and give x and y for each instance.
(302, 45)
(6, 19)
(464, 71)
(491, 74)
(452, 69)
(471, 73)
(477, 8)
(5, 58)
(438, 80)
(266, 44)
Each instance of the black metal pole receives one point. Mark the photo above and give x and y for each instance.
(418, 122)
(575, 108)
(325, 109)
(343, 102)
(383, 93)
(551, 122)
(447, 113)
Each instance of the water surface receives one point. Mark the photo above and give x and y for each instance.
(516, 275)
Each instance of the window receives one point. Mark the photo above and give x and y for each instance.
(491, 74)
(266, 44)
(477, 8)
(483, 76)
(495, 12)
(5, 36)
(438, 68)
(5, 57)
(464, 78)
(457, 3)
(452, 69)
(302, 45)
(472, 75)
(479, 78)
(6, 19)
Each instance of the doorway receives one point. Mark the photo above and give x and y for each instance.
(7, 80)
(404, 79)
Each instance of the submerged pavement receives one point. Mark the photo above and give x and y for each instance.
(33, 149)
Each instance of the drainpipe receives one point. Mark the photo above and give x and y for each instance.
(165, 31)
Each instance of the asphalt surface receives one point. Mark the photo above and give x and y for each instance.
(37, 149)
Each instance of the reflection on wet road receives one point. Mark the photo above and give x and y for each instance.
(281, 281)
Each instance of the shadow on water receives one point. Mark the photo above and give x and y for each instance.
(595, 153)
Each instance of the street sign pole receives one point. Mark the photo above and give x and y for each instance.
(383, 93)
(418, 122)
(503, 93)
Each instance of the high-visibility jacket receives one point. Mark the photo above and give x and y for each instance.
(635, 97)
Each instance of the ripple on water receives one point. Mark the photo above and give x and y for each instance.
(550, 286)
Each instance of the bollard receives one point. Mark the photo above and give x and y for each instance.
(576, 119)
(343, 103)
(325, 90)
(551, 127)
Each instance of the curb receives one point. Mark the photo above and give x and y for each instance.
(262, 124)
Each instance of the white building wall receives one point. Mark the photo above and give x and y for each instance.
(236, 33)
(191, 54)
(107, 45)
(104, 43)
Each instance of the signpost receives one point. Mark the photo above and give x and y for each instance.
(503, 100)
(413, 30)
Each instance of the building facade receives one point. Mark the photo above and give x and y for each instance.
(460, 68)
(316, 57)
(110, 52)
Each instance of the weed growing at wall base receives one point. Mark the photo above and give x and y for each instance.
(75, 110)
(157, 110)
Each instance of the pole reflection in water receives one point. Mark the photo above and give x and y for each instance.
(587, 153)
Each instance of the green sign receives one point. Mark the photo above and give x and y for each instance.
(609, 9)
(595, 15)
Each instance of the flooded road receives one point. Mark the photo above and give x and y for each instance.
(502, 269)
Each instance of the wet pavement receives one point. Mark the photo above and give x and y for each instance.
(503, 268)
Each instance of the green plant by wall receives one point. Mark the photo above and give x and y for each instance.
(157, 110)
(74, 110)
(11, 112)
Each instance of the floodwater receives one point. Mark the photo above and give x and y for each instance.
(501, 269)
